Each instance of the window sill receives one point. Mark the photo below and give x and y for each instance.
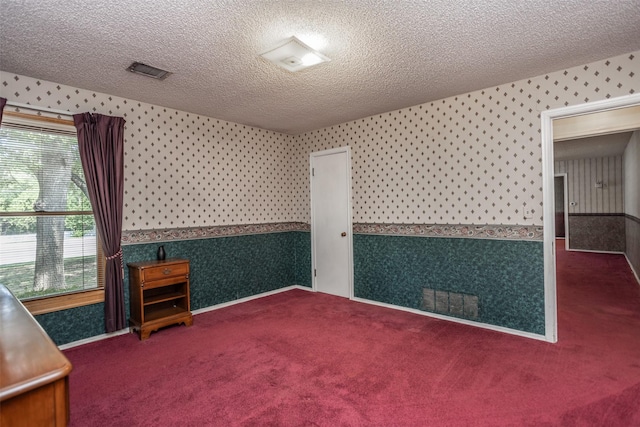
(63, 302)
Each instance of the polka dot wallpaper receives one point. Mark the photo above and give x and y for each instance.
(182, 170)
(475, 158)
(470, 159)
(189, 170)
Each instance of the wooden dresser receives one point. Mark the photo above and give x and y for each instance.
(159, 295)
(34, 386)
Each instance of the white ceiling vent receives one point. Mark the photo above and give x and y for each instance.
(148, 70)
(293, 55)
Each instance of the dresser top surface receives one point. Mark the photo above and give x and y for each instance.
(28, 357)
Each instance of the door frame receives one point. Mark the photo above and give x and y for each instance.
(328, 152)
(549, 245)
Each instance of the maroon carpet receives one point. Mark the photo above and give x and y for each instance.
(304, 359)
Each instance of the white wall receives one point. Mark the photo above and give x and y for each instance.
(632, 201)
(632, 175)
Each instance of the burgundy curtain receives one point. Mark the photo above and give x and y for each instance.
(101, 143)
(3, 102)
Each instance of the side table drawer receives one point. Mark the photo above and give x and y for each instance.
(165, 271)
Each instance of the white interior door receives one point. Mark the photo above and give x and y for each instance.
(331, 234)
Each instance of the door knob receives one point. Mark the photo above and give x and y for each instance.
(343, 234)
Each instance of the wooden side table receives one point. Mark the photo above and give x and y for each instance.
(159, 295)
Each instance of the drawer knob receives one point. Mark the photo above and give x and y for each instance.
(166, 271)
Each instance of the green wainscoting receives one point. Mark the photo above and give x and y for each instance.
(74, 324)
(228, 268)
(302, 241)
(506, 276)
(222, 269)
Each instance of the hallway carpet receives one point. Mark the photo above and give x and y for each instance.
(308, 359)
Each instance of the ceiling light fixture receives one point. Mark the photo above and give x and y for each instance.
(148, 71)
(293, 55)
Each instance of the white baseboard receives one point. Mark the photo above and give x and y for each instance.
(635, 273)
(456, 320)
(596, 251)
(304, 288)
(194, 312)
(245, 299)
(93, 339)
(391, 306)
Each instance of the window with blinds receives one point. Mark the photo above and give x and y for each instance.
(48, 239)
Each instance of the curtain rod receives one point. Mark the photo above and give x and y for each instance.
(38, 108)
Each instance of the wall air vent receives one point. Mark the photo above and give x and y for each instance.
(446, 302)
(149, 71)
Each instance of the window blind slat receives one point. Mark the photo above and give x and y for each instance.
(40, 172)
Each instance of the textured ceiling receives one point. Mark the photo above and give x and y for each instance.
(592, 147)
(385, 55)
